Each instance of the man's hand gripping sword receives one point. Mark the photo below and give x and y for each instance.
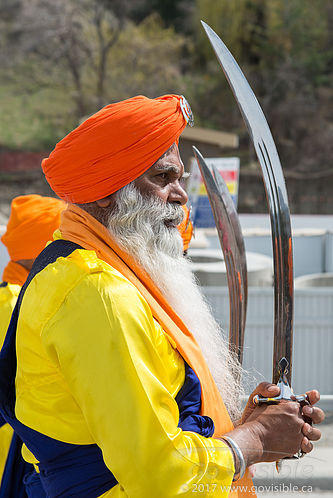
(277, 200)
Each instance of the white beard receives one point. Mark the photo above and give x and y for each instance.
(138, 225)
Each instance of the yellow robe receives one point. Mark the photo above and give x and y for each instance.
(95, 367)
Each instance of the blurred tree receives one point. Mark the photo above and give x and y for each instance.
(64, 38)
(153, 55)
(175, 13)
(63, 60)
(295, 79)
(89, 51)
(262, 33)
(299, 33)
(241, 24)
(284, 48)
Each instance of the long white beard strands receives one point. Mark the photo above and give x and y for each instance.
(139, 225)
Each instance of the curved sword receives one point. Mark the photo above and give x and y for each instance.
(232, 244)
(241, 255)
(277, 201)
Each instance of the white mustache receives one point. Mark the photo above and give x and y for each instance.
(147, 221)
(173, 214)
(133, 207)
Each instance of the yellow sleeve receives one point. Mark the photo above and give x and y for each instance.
(103, 340)
(8, 297)
(6, 434)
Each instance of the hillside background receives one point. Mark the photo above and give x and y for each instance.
(63, 60)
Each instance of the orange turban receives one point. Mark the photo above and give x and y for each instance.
(115, 146)
(33, 219)
(185, 229)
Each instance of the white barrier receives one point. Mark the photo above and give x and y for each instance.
(312, 248)
(313, 335)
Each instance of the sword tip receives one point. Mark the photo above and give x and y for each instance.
(196, 151)
(207, 28)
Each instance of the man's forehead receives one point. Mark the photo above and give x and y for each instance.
(169, 161)
(171, 149)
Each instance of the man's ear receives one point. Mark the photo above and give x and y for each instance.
(105, 202)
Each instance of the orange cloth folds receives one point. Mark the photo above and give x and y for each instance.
(113, 147)
(185, 228)
(81, 228)
(33, 219)
(15, 274)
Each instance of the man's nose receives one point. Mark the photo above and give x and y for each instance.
(177, 194)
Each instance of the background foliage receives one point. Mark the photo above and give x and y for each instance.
(63, 60)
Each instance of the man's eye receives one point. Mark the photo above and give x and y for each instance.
(164, 176)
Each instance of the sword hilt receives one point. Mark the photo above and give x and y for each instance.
(286, 394)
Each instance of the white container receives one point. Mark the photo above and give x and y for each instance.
(314, 280)
(209, 268)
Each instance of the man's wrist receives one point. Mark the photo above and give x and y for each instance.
(248, 438)
(239, 461)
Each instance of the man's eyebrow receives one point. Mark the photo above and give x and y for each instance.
(168, 167)
(173, 168)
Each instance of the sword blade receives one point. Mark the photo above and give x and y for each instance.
(232, 244)
(240, 255)
(277, 200)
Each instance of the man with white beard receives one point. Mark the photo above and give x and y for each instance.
(124, 385)
(146, 227)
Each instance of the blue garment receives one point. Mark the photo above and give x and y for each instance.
(33, 485)
(189, 403)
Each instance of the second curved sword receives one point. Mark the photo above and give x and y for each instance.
(232, 244)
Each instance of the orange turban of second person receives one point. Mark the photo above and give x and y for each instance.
(115, 146)
(185, 228)
(33, 219)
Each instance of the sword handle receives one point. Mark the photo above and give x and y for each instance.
(302, 399)
(286, 394)
(258, 400)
